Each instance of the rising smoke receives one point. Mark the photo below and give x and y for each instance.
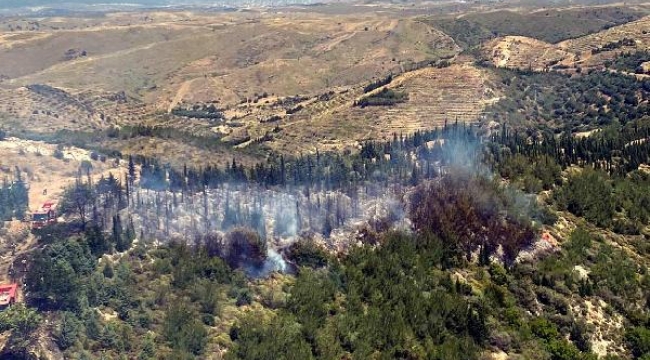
(279, 216)
(282, 215)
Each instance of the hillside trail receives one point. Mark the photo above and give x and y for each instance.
(335, 41)
(180, 94)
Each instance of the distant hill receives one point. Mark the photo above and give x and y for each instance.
(55, 3)
(74, 4)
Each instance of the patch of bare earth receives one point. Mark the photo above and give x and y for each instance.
(48, 176)
(606, 337)
(520, 52)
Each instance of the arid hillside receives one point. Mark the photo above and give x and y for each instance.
(336, 121)
(223, 58)
(590, 51)
(548, 24)
(208, 87)
(522, 52)
(123, 70)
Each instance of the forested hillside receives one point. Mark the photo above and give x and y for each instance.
(516, 230)
(470, 273)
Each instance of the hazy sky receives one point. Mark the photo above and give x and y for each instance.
(53, 3)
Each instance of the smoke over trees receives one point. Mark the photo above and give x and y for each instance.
(471, 215)
(413, 210)
(329, 196)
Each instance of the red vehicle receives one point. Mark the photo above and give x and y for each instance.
(44, 216)
(7, 295)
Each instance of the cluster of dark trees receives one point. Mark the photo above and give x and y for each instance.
(571, 103)
(473, 215)
(154, 319)
(609, 191)
(615, 150)
(376, 162)
(395, 306)
(14, 199)
(533, 160)
(407, 159)
(531, 173)
(97, 206)
(138, 130)
(200, 112)
(629, 42)
(210, 142)
(394, 301)
(400, 303)
(23, 322)
(377, 84)
(594, 196)
(630, 62)
(294, 110)
(385, 97)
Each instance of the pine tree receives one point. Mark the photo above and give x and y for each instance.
(131, 171)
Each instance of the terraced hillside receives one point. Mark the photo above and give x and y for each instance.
(136, 69)
(49, 109)
(590, 51)
(595, 49)
(546, 24)
(521, 52)
(331, 120)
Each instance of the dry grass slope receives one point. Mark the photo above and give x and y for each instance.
(585, 52)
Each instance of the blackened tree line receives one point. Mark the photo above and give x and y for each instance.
(378, 83)
(200, 112)
(97, 209)
(384, 97)
(472, 214)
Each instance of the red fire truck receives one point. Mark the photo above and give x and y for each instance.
(44, 216)
(7, 295)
